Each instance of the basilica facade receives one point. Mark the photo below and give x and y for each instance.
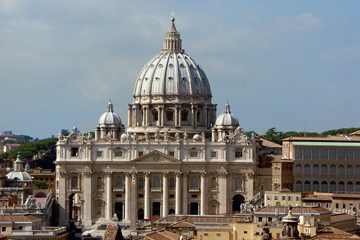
(176, 156)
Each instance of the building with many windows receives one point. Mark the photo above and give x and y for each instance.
(324, 164)
(176, 155)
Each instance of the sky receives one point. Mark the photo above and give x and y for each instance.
(293, 65)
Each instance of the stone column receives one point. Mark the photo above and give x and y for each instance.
(162, 116)
(178, 194)
(61, 189)
(143, 115)
(203, 192)
(185, 195)
(88, 206)
(179, 109)
(147, 196)
(176, 118)
(192, 115)
(250, 184)
(127, 195)
(165, 209)
(108, 212)
(129, 116)
(223, 193)
(213, 135)
(134, 197)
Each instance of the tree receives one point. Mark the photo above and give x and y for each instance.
(273, 135)
(41, 184)
(65, 132)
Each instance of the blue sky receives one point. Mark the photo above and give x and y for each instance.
(293, 65)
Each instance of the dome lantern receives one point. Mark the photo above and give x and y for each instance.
(172, 41)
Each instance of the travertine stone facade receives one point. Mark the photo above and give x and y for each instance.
(173, 158)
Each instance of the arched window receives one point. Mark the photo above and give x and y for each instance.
(341, 186)
(141, 182)
(332, 186)
(74, 182)
(316, 169)
(316, 186)
(350, 170)
(119, 181)
(298, 169)
(324, 186)
(172, 183)
(307, 169)
(213, 183)
(324, 170)
(57, 184)
(350, 187)
(99, 183)
(341, 170)
(332, 169)
(357, 187)
(156, 182)
(298, 186)
(307, 186)
(194, 182)
(238, 183)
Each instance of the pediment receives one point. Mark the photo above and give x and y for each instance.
(156, 157)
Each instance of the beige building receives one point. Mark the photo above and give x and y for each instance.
(176, 157)
(324, 164)
(284, 198)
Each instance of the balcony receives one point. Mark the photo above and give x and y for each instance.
(74, 189)
(118, 189)
(155, 189)
(194, 189)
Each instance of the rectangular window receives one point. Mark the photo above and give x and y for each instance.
(324, 153)
(156, 116)
(99, 153)
(238, 153)
(218, 234)
(332, 154)
(118, 195)
(74, 152)
(276, 197)
(213, 155)
(3, 229)
(245, 232)
(193, 195)
(172, 196)
(269, 219)
(327, 205)
(169, 116)
(315, 153)
(118, 153)
(337, 205)
(298, 153)
(259, 219)
(297, 198)
(283, 198)
(262, 187)
(289, 198)
(172, 153)
(341, 154)
(141, 153)
(268, 197)
(206, 234)
(21, 227)
(319, 204)
(344, 205)
(349, 154)
(194, 154)
(184, 116)
(141, 195)
(307, 153)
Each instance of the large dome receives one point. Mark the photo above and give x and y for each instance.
(18, 176)
(172, 72)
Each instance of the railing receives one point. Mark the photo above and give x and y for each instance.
(194, 189)
(47, 231)
(118, 189)
(156, 189)
(74, 189)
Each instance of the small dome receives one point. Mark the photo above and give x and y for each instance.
(227, 118)
(109, 117)
(123, 137)
(197, 137)
(18, 176)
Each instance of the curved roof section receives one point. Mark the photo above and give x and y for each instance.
(172, 72)
(109, 117)
(227, 118)
(18, 176)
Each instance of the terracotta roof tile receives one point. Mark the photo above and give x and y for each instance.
(18, 218)
(333, 233)
(113, 232)
(341, 217)
(267, 143)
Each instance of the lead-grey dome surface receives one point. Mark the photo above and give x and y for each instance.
(227, 118)
(172, 72)
(109, 117)
(19, 176)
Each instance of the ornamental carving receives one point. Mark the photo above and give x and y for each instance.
(87, 174)
(63, 174)
(223, 174)
(108, 174)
